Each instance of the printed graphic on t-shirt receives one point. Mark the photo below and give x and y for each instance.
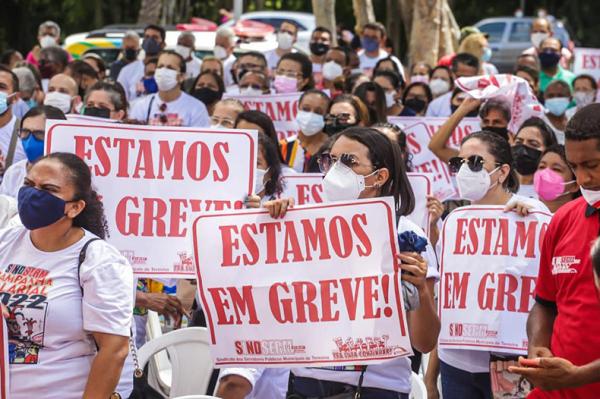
(165, 119)
(24, 290)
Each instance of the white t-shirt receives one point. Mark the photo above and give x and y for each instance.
(192, 67)
(528, 191)
(8, 209)
(474, 361)
(184, 111)
(129, 77)
(227, 64)
(51, 348)
(273, 58)
(440, 106)
(13, 178)
(367, 64)
(266, 383)
(393, 375)
(6, 133)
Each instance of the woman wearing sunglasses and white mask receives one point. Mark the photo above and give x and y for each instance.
(484, 176)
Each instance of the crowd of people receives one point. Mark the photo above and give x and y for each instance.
(94, 310)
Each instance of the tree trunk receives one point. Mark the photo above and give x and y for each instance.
(324, 11)
(149, 12)
(363, 13)
(98, 16)
(392, 26)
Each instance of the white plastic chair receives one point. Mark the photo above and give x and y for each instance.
(159, 367)
(417, 387)
(188, 356)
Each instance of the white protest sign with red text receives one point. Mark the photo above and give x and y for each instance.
(489, 266)
(587, 61)
(281, 108)
(316, 288)
(4, 385)
(304, 188)
(155, 180)
(419, 131)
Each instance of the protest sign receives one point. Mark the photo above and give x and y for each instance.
(587, 61)
(4, 385)
(281, 108)
(155, 180)
(419, 131)
(319, 287)
(489, 265)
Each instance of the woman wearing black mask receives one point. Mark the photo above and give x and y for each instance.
(106, 100)
(346, 111)
(417, 97)
(532, 139)
(209, 89)
(494, 114)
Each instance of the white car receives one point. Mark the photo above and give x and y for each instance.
(305, 22)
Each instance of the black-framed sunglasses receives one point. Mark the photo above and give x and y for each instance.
(326, 161)
(25, 133)
(474, 162)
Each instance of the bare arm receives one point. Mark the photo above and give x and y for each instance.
(107, 365)
(424, 324)
(439, 142)
(540, 324)
(233, 386)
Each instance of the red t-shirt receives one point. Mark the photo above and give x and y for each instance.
(566, 278)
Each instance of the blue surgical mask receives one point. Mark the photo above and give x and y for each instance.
(4, 102)
(487, 54)
(150, 85)
(39, 208)
(33, 147)
(369, 44)
(558, 105)
(31, 103)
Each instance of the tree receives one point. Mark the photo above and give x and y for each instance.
(363, 13)
(149, 12)
(324, 11)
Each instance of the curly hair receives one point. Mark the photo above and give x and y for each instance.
(92, 217)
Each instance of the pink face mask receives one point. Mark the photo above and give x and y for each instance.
(285, 84)
(419, 78)
(548, 184)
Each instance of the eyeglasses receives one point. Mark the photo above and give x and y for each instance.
(215, 120)
(474, 162)
(25, 133)
(326, 161)
(345, 117)
(289, 74)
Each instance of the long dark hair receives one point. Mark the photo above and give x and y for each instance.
(500, 150)
(377, 111)
(272, 155)
(559, 150)
(92, 217)
(384, 155)
(400, 140)
(546, 131)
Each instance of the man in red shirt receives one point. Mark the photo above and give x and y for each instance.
(564, 324)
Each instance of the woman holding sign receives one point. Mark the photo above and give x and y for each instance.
(70, 315)
(484, 176)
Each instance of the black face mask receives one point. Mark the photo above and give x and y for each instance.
(318, 48)
(526, 159)
(130, 54)
(500, 131)
(207, 96)
(416, 104)
(336, 127)
(549, 59)
(97, 112)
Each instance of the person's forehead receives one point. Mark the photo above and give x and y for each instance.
(130, 41)
(6, 78)
(582, 151)
(224, 110)
(185, 40)
(417, 91)
(49, 30)
(314, 99)
(48, 171)
(251, 59)
(540, 24)
(473, 147)
(550, 42)
(99, 96)
(288, 26)
(37, 122)
(244, 124)
(583, 83)
(168, 59)
(552, 158)
(289, 65)
(530, 133)
(557, 89)
(344, 145)
(207, 79)
(64, 83)
(152, 32)
(321, 35)
(371, 31)
(342, 107)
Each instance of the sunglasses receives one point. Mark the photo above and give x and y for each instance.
(326, 161)
(474, 162)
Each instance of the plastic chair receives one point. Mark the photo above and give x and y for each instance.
(159, 366)
(417, 387)
(189, 357)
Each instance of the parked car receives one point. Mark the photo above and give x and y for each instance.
(306, 23)
(509, 36)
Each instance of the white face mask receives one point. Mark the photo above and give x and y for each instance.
(183, 51)
(389, 99)
(310, 123)
(166, 79)
(285, 40)
(583, 98)
(47, 41)
(259, 184)
(591, 197)
(538, 37)
(332, 70)
(250, 91)
(473, 186)
(439, 86)
(58, 100)
(343, 184)
(217, 126)
(220, 52)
